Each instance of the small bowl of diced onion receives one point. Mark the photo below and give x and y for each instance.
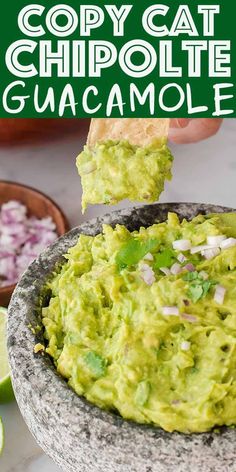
(29, 222)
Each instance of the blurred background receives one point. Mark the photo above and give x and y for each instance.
(42, 153)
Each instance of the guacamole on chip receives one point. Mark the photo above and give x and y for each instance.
(144, 323)
(112, 171)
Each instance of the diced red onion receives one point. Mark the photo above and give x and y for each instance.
(6, 239)
(21, 240)
(170, 311)
(215, 240)
(189, 267)
(182, 245)
(185, 345)
(5, 253)
(186, 302)
(219, 296)
(210, 253)
(7, 266)
(227, 243)
(176, 269)
(13, 212)
(13, 229)
(181, 258)
(148, 257)
(176, 402)
(36, 224)
(190, 318)
(165, 270)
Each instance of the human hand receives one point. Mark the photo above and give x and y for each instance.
(183, 131)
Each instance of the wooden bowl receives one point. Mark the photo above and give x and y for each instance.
(38, 205)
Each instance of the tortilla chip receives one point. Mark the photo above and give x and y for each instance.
(138, 131)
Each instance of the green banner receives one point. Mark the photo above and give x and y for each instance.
(137, 59)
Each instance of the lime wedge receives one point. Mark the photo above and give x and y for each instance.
(1, 437)
(6, 392)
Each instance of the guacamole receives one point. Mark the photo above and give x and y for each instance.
(113, 171)
(144, 323)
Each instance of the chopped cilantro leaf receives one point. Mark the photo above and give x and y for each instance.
(199, 287)
(133, 251)
(206, 287)
(191, 276)
(95, 363)
(195, 292)
(164, 259)
(150, 245)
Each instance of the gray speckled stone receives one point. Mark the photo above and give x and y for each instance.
(77, 435)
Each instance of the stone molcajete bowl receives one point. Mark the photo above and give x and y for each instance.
(77, 435)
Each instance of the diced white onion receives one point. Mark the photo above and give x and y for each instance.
(170, 311)
(185, 345)
(190, 318)
(165, 270)
(204, 275)
(227, 243)
(148, 257)
(219, 296)
(182, 245)
(176, 269)
(147, 274)
(210, 253)
(202, 247)
(181, 258)
(215, 240)
(143, 267)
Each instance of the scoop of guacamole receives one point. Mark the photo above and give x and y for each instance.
(113, 171)
(144, 323)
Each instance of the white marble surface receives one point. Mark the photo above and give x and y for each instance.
(204, 172)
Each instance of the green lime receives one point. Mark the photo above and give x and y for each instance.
(1, 437)
(6, 392)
